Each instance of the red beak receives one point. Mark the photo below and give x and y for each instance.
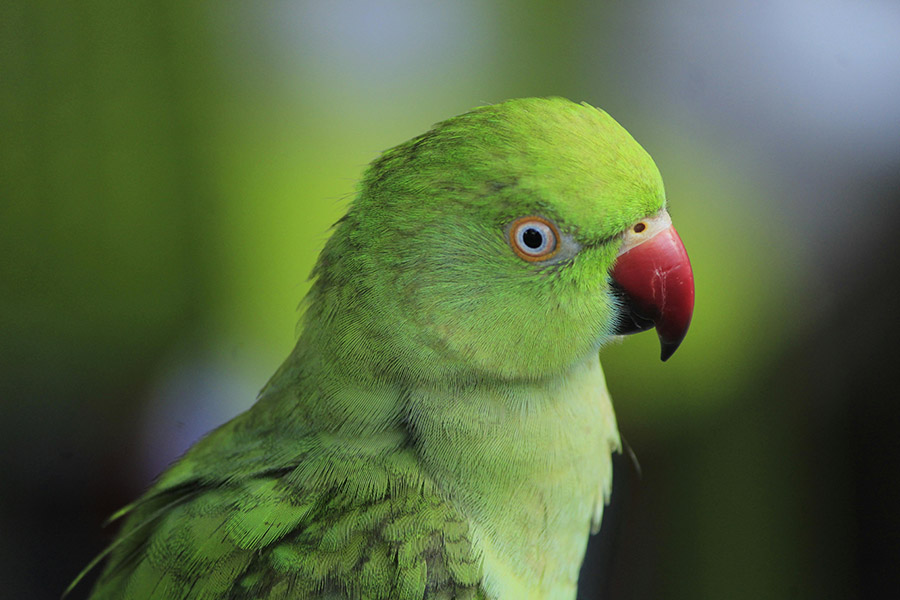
(658, 285)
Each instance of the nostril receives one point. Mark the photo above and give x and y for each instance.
(639, 227)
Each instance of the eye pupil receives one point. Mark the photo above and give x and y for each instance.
(532, 238)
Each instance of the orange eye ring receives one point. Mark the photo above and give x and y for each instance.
(534, 238)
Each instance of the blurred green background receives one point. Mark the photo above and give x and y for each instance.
(169, 172)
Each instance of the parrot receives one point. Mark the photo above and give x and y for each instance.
(442, 428)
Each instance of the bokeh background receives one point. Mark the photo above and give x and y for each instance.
(169, 171)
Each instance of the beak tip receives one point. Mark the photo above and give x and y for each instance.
(667, 349)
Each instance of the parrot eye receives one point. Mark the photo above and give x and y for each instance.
(533, 238)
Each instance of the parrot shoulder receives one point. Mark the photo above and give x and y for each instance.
(317, 529)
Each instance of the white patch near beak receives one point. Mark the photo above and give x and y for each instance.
(644, 230)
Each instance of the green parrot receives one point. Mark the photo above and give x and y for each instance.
(442, 428)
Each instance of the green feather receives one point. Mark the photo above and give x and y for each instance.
(442, 428)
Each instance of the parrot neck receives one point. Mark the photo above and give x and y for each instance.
(527, 461)
(531, 466)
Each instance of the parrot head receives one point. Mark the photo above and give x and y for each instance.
(509, 242)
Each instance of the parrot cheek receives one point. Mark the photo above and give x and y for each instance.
(657, 283)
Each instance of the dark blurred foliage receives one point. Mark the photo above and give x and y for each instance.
(169, 171)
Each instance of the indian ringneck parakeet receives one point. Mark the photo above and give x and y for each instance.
(442, 428)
